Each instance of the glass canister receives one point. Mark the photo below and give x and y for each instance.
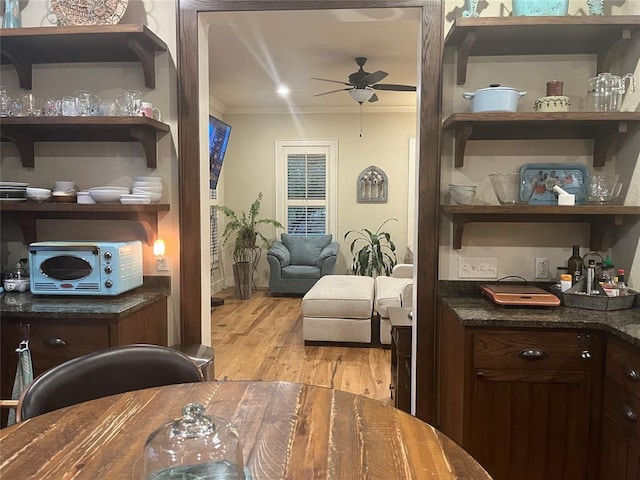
(194, 447)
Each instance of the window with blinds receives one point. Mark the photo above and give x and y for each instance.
(306, 192)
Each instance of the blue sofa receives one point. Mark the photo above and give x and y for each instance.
(296, 263)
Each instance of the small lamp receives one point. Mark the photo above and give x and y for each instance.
(361, 95)
(158, 252)
(158, 248)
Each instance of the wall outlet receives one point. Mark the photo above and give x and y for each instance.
(478, 267)
(541, 268)
(162, 265)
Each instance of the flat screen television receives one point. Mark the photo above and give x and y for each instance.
(219, 133)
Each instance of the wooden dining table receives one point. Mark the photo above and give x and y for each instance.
(287, 430)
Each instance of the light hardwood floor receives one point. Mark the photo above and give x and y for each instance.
(261, 339)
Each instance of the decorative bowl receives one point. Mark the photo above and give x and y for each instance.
(462, 194)
(106, 196)
(602, 188)
(512, 188)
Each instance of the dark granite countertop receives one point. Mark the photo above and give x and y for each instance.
(26, 305)
(477, 311)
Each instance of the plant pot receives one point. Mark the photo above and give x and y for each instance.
(242, 276)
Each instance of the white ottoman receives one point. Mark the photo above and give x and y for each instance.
(338, 309)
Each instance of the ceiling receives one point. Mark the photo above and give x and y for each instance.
(252, 53)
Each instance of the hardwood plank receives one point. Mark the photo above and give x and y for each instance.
(261, 339)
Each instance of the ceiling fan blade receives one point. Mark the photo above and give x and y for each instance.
(333, 81)
(391, 86)
(374, 98)
(332, 91)
(374, 77)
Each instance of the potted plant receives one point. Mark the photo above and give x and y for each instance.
(373, 252)
(244, 230)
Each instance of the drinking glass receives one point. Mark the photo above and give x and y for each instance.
(6, 103)
(84, 100)
(69, 106)
(52, 107)
(31, 105)
(129, 102)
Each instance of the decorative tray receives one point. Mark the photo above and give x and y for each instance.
(88, 12)
(571, 177)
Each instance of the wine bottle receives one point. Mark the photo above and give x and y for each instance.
(575, 265)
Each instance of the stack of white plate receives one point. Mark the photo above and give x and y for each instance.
(146, 187)
(13, 191)
(108, 194)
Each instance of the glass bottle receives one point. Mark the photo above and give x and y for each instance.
(621, 286)
(12, 17)
(575, 265)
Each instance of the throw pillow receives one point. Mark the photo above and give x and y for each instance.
(305, 250)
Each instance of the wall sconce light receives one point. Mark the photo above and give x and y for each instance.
(158, 252)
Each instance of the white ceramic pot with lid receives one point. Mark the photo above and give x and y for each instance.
(495, 98)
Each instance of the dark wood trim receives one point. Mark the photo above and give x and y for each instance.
(429, 165)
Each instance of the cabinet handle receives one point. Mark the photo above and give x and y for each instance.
(629, 414)
(632, 374)
(586, 354)
(533, 354)
(480, 374)
(55, 342)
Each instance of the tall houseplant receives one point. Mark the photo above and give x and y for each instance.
(373, 252)
(243, 229)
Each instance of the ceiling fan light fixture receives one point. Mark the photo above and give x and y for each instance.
(361, 95)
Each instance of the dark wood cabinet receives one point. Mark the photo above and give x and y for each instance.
(54, 340)
(522, 402)
(620, 431)
(400, 358)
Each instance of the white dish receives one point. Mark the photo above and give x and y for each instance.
(148, 179)
(105, 196)
(14, 184)
(38, 191)
(39, 197)
(135, 201)
(21, 199)
(147, 189)
(154, 196)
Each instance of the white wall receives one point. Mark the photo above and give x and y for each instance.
(249, 168)
(93, 164)
(517, 244)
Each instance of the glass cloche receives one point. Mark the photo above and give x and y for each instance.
(195, 447)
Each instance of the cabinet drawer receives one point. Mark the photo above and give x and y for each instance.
(623, 365)
(623, 408)
(52, 344)
(561, 351)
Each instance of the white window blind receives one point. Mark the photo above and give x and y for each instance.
(306, 192)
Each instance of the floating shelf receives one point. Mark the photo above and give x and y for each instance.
(563, 35)
(602, 127)
(25, 47)
(25, 131)
(27, 213)
(601, 218)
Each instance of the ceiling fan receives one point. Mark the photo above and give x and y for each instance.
(362, 85)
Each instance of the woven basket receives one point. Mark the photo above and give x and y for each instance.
(88, 12)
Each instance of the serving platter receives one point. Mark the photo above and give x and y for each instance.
(88, 12)
(571, 177)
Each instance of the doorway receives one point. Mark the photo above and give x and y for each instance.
(192, 306)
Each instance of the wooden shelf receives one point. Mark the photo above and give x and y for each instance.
(563, 35)
(25, 131)
(602, 127)
(25, 47)
(601, 218)
(27, 213)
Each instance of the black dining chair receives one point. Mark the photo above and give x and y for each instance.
(106, 372)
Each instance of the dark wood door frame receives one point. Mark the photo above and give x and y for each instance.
(426, 249)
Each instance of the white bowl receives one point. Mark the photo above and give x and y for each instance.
(148, 188)
(37, 191)
(110, 188)
(106, 196)
(39, 197)
(85, 198)
(64, 185)
(148, 179)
